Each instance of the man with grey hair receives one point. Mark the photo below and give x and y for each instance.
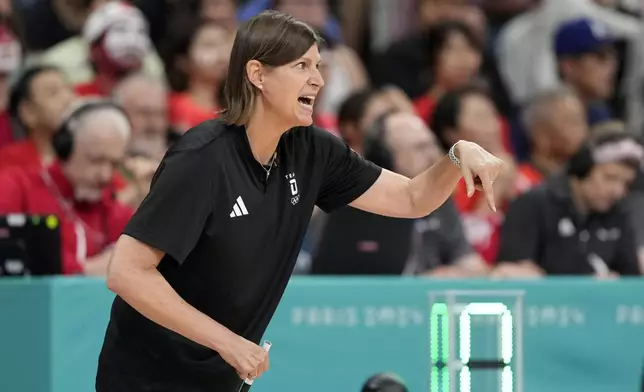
(145, 100)
(555, 121)
(78, 187)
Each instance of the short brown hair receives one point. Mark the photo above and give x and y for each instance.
(272, 38)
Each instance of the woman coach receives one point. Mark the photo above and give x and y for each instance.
(203, 264)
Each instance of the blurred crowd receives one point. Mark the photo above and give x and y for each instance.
(93, 92)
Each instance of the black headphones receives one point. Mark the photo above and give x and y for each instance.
(375, 149)
(581, 163)
(63, 140)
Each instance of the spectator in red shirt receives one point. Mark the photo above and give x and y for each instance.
(196, 60)
(455, 58)
(78, 186)
(469, 114)
(556, 124)
(119, 41)
(38, 100)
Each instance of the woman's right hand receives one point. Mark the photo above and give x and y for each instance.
(248, 359)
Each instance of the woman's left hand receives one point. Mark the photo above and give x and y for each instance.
(479, 169)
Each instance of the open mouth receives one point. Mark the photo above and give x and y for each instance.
(308, 101)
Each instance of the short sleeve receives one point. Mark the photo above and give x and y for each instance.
(346, 174)
(520, 231)
(173, 215)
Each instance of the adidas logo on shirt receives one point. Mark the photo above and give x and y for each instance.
(239, 208)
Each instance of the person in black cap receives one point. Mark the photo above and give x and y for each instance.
(384, 382)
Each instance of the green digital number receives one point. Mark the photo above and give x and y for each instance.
(440, 350)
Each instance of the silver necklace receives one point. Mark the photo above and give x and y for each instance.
(270, 165)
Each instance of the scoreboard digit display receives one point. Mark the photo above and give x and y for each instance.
(473, 337)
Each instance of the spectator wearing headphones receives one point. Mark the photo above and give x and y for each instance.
(78, 187)
(357, 242)
(38, 101)
(576, 223)
(357, 113)
(402, 142)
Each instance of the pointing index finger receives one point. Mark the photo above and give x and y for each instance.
(486, 182)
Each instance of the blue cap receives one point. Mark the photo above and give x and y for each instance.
(580, 36)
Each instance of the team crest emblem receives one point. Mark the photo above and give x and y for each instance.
(292, 182)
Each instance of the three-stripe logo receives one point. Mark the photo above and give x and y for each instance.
(239, 208)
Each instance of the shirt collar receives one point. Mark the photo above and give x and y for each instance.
(241, 137)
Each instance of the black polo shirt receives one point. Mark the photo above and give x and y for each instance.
(543, 225)
(231, 238)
